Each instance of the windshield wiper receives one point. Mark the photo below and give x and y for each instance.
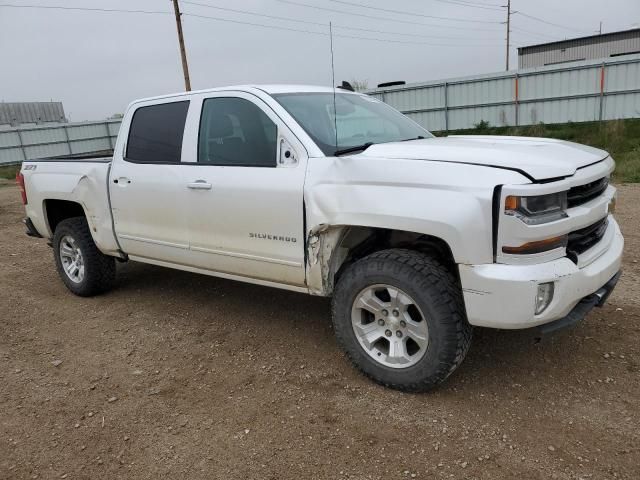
(355, 148)
(419, 137)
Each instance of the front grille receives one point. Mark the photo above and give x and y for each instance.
(582, 240)
(583, 193)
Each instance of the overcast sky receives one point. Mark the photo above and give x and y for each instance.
(97, 62)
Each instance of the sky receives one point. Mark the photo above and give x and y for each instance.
(97, 62)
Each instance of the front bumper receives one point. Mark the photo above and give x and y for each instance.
(583, 307)
(503, 296)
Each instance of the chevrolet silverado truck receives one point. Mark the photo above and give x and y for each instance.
(417, 239)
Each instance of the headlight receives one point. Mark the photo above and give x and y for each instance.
(538, 209)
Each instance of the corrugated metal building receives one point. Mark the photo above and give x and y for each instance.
(585, 48)
(31, 113)
(591, 90)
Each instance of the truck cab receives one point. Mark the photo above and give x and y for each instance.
(323, 191)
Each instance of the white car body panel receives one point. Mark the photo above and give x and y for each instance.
(236, 240)
(82, 182)
(441, 187)
(502, 296)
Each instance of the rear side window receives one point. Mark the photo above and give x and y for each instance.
(236, 132)
(155, 135)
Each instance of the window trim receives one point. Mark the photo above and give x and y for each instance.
(197, 162)
(128, 140)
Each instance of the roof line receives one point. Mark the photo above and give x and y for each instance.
(566, 40)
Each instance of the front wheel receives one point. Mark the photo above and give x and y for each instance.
(84, 269)
(400, 317)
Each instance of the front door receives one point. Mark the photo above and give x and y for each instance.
(244, 191)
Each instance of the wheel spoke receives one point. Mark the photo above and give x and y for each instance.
(71, 259)
(66, 251)
(397, 336)
(418, 332)
(399, 299)
(71, 267)
(397, 351)
(368, 334)
(371, 303)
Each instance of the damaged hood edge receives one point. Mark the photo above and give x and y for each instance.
(536, 158)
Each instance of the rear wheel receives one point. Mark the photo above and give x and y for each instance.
(82, 267)
(400, 318)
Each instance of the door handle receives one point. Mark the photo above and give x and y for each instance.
(199, 185)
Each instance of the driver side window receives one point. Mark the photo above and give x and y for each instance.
(236, 132)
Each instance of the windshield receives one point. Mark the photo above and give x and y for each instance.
(360, 120)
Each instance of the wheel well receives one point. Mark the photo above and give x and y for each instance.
(358, 242)
(59, 210)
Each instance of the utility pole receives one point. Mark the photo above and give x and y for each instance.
(183, 53)
(508, 30)
(600, 28)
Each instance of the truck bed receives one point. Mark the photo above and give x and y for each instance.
(92, 158)
(81, 180)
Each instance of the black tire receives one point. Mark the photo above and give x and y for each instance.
(99, 269)
(434, 289)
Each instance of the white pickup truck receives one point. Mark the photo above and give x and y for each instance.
(334, 193)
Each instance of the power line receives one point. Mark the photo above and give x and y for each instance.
(307, 22)
(86, 9)
(383, 40)
(240, 22)
(548, 23)
(463, 3)
(246, 12)
(413, 14)
(530, 32)
(386, 19)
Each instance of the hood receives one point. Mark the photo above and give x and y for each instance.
(537, 158)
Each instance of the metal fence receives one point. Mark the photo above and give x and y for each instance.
(19, 144)
(577, 92)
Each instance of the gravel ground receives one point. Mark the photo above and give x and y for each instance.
(175, 374)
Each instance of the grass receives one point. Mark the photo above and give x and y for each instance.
(621, 138)
(9, 172)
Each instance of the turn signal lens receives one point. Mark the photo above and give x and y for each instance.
(511, 203)
(538, 246)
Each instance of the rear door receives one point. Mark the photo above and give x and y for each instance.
(148, 195)
(244, 190)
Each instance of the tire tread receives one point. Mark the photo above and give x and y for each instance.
(100, 271)
(444, 282)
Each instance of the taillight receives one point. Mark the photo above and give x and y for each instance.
(23, 191)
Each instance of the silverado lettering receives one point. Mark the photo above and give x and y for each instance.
(273, 237)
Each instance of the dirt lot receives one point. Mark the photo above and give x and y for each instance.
(185, 376)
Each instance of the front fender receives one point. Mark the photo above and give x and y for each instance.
(452, 202)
